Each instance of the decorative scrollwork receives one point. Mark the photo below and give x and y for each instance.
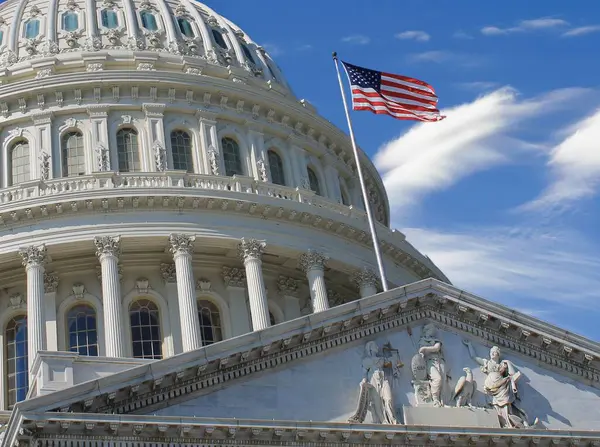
(312, 260)
(34, 255)
(234, 277)
(181, 244)
(107, 246)
(251, 249)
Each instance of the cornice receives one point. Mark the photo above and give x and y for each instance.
(62, 429)
(318, 213)
(147, 388)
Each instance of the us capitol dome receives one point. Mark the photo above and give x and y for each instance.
(162, 188)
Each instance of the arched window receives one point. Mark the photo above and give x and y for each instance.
(149, 21)
(83, 333)
(128, 150)
(32, 28)
(210, 322)
(313, 181)
(185, 27)
(181, 148)
(73, 157)
(231, 157)
(70, 21)
(17, 360)
(109, 18)
(248, 54)
(145, 330)
(276, 168)
(19, 162)
(219, 38)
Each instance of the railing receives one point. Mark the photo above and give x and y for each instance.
(172, 179)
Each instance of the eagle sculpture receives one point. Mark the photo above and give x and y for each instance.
(465, 389)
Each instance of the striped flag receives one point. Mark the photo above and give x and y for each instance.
(399, 96)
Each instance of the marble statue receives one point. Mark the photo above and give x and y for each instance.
(465, 389)
(429, 368)
(501, 384)
(381, 368)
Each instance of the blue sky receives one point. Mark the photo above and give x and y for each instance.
(503, 194)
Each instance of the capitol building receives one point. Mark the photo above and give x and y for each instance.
(185, 259)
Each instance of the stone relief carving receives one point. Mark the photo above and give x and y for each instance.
(168, 272)
(234, 277)
(50, 282)
(312, 260)
(34, 255)
(429, 369)
(160, 156)
(45, 166)
(142, 285)
(17, 301)
(213, 158)
(501, 385)
(465, 389)
(287, 285)
(382, 368)
(78, 291)
(251, 249)
(107, 245)
(181, 244)
(203, 284)
(262, 170)
(365, 276)
(103, 158)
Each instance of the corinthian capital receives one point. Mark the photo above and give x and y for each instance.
(312, 260)
(34, 255)
(50, 282)
(251, 249)
(181, 244)
(107, 246)
(365, 277)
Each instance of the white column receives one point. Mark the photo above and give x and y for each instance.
(313, 264)
(50, 286)
(108, 249)
(235, 283)
(34, 258)
(251, 251)
(366, 281)
(168, 273)
(288, 288)
(181, 247)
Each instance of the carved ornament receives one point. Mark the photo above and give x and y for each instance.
(34, 255)
(181, 244)
(251, 249)
(287, 285)
(365, 277)
(312, 260)
(142, 285)
(168, 272)
(50, 282)
(108, 246)
(17, 301)
(234, 277)
(203, 284)
(78, 291)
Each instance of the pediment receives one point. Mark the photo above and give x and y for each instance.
(280, 371)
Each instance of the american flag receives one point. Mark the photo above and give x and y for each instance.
(402, 97)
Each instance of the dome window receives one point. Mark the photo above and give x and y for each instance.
(231, 157)
(219, 38)
(248, 54)
(313, 181)
(145, 330)
(185, 27)
(149, 21)
(276, 168)
(181, 148)
(109, 19)
(70, 21)
(19, 162)
(210, 322)
(83, 334)
(17, 360)
(128, 150)
(73, 154)
(32, 28)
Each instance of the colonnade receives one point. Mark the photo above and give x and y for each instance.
(181, 246)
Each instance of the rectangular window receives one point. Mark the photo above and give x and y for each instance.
(109, 19)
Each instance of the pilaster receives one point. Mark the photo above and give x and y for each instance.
(50, 287)
(211, 157)
(99, 158)
(43, 130)
(155, 155)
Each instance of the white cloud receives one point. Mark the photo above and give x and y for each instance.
(273, 49)
(477, 85)
(524, 26)
(545, 265)
(431, 56)
(420, 36)
(462, 35)
(474, 137)
(356, 39)
(575, 166)
(582, 30)
(439, 56)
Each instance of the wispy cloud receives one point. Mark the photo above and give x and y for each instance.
(575, 166)
(439, 56)
(273, 49)
(419, 36)
(474, 137)
(582, 30)
(462, 35)
(477, 85)
(431, 56)
(356, 39)
(546, 265)
(525, 26)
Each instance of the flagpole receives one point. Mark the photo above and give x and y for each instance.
(361, 179)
